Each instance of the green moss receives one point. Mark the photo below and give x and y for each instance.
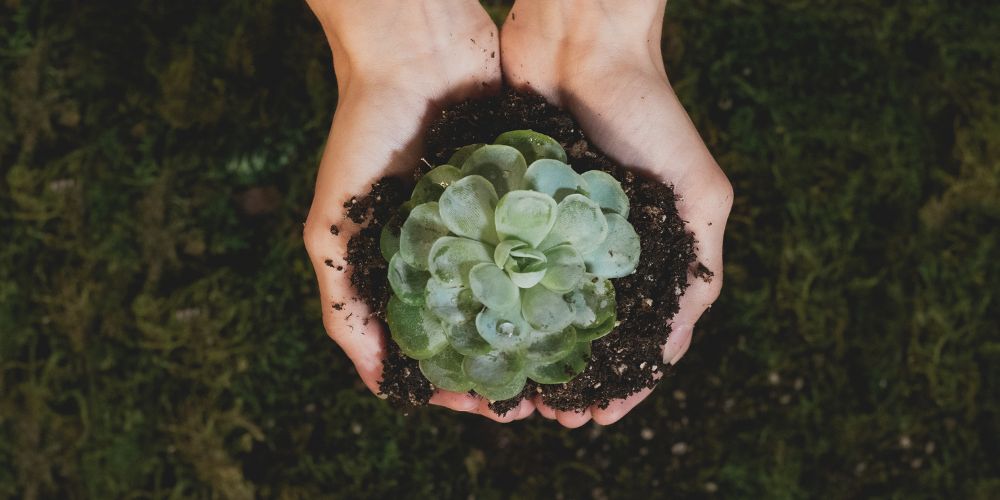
(156, 339)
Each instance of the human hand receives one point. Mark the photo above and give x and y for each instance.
(601, 59)
(396, 63)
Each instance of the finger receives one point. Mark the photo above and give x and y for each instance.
(455, 401)
(573, 419)
(618, 408)
(544, 409)
(523, 410)
(677, 344)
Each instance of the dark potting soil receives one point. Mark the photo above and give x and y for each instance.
(625, 361)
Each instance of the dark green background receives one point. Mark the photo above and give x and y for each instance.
(160, 333)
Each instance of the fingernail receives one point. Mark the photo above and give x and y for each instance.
(677, 344)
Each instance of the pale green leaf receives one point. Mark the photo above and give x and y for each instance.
(407, 282)
(564, 370)
(564, 268)
(546, 347)
(579, 222)
(493, 287)
(388, 243)
(554, 178)
(532, 145)
(451, 304)
(452, 258)
(545, 310)
(503, 166)
(598, 330)
(496, 375)
(525, 256)
(433, 183)
(444, 370)
(618, 254)
(493, 368)
(465, 338)
(461, 154)
(503, 249)
(505, 330)
(467, 207)
(417, 332)
(594, 308)
(526, 216)
(528, 277)
(607, 192)
(422, 228)
(526, 266)
(504, 391)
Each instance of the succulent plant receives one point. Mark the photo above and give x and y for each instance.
(502, 269)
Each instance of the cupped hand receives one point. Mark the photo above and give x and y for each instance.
(601, 59)
(396, 63)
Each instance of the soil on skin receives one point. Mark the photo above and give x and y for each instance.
(625, 361)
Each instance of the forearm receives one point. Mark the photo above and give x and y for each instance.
(404, 43)
(591, 22)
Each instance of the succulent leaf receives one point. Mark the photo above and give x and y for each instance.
(579, 222)
(420, 231)
(501, 271)
(526, 266)
(618, 254)
(594, 307)
(503, 166)
(451, 304)
(407, 282)
(547, 347)
(505, 330)
(525, 216)
(388, 242)
(444, 370)
(492, 286)
(555, 179)
(451, 259)
(461, 154)
(607, 192)
(532, 145)
(503, 250)
(433, 183)
(500, 392)
(545, 310)
(564, 268)
(467, 208)
(564, 370)
(596, 331)
(465, 338)
(527, 276)
(417, 332)
(496, 375)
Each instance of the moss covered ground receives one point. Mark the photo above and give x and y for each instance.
(160, 332)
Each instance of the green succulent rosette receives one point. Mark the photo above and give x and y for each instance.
(502, 269)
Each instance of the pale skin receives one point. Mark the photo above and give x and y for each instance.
(398, 62)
